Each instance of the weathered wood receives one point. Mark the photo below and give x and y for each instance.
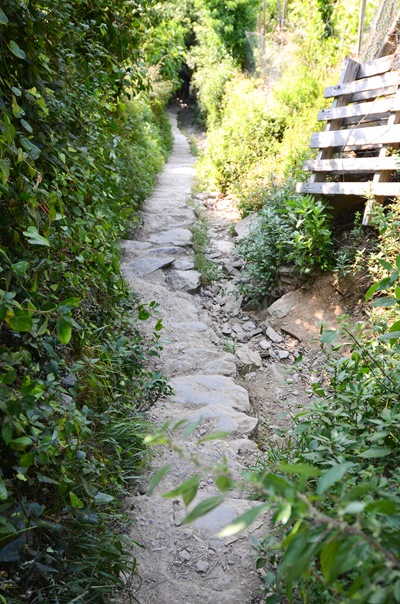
(376, 67)
(353, 165)
(360, 109)
(348, 74)
(362, 189)
(380, 135)
(382, 81)
(372, 94)
(374, 119)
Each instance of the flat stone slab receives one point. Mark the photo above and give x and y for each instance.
(184, 281)
(200, 359)
(242, 228)
(171, 250)
(144, 265)
(247, 359)
(184, 264)
(190, 326)
(194, 391)
(177, 236)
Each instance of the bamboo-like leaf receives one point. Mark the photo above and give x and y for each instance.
(158, 476)
(243, 521)
(204, 507)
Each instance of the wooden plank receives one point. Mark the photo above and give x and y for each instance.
(376, 67)
(353, 165)
(349, 73)
(382, 81)
(372, 94)
(374, 119)
(362, 189)
(379, 135)
(360, 109)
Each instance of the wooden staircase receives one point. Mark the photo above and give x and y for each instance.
(357, 150)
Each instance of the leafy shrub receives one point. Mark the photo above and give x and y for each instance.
(291, 230)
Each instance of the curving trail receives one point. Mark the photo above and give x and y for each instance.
(180, 563)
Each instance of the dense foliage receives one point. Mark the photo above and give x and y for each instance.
(82, 137)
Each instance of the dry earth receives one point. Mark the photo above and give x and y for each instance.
(232, 369)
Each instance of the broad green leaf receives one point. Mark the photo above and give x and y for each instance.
(20, 267)
(300, 469)
(355, 507)
(187, 489)
(20, 321)
(328, 560)
(75, 501)
(329, 336)
(102, 498)
(382, 506)
(283, 513)
(3, 17)
(31, 148)
(385, 264)
(243, 521)
(158, 476)
(27, 460)
(70, 303)
(384, 302)
(6, 433)
(27, 126)
(43, 328)
(21, 442)
(333, 475)
(224, 483)
(376, 452)
(390, 335)
(64, 330)
(5, 165)
(34, 238)
(371, 291)
(398, 262)
(204, 507)
(3, 490)
(16, 50)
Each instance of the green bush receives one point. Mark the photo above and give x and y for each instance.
(291, 229)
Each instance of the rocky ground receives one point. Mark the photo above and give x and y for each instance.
(233, 369)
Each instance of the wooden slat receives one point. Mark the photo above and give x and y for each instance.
(374, 119)
(380, 135)
(384, 189)
(382, 81)
(360, 109)
(348, 74)
(353, 165)
(373, 68)
(372, 94)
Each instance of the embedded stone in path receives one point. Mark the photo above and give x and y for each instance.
(144, 266)
(171, 250)
(184, 264)
(177, 236)
(201, 359)
(242, 229)
(194, 391)
(187, 281)
(248, 360)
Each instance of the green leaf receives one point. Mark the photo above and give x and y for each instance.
(328, 558)
(204, 507)
(214, 436)
(27, 126)
(371, 291)
(243, 521)
(3, 18)
(187, 489)
(224, 483)
(75, 501)
(158, 476)
(384, 302)
(102, 498)
(5, 165)
(3, 490)
(385, 264)
(300, 469)
(21, 442)
(382, 506)
(31, 148)
(16, 50)
(27, 460)
(6, 433)
(34, 238)
(332, 476)
(398, 262)
(70, 303)
(20, 267)
(376, 452)
(355, 507)
(64, 330)
(20, 321)
(329, 336)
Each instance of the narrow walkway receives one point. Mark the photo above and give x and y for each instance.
(180, 563)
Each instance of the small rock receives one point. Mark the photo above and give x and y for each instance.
(226, 330)
(241, 336)
(248, 360)
(187, 281)
(249, 326)
(184, 264)
(265, 345)
(202, 566)
(184, 555)
(283, 354)
(255, 332)
(273, 335)
(242, 229)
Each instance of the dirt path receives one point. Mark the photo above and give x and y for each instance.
(189, 564)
